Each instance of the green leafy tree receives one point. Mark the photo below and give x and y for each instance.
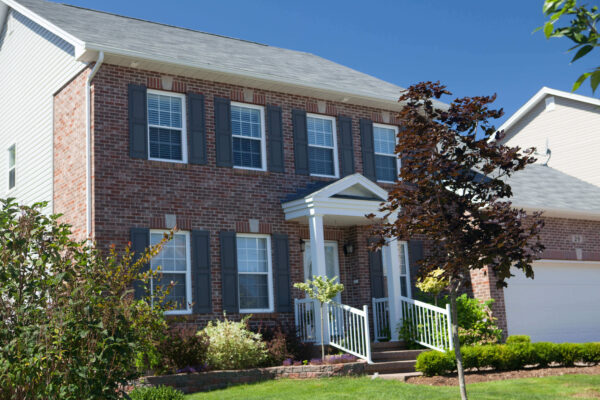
(69, 325)
(453, 191)
(581, 30)
(434, 283)
(324, 291)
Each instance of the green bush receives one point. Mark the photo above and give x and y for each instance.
(435, 363)
(545, 353)
(514, 339)
(181, 347)
(233, 346)
(71, 328)
(590, 353)
(156, 393)
(475, 322)
(569, 353)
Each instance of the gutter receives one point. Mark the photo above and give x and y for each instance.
(88, 144)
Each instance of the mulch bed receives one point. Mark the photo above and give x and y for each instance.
(486, 376)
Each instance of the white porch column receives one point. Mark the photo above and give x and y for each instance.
(391, 261)
(317, 255)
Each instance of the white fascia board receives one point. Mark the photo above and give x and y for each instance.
(79, 44)
(561, 213)
(350, 181)
(331, 206)
(543, 92)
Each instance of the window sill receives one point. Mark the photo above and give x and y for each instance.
(250, 172)
(324, 176)
(257, 312)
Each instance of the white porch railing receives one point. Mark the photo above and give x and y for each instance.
(305, 312)
(426, 324)
(381, 319)
(349, 330)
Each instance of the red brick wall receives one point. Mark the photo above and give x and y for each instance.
(70, 155)
(137, 193)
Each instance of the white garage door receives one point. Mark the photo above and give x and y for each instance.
(562, 303)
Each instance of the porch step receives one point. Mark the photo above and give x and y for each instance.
(395, 355)
(377, 346)
(388, 367)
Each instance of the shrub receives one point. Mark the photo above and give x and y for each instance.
(545, 353)
(156, 393)
(70, 328)
(590, 353)
(569, 353)
(475, 321)
(233, 346)
(435, 363)
(283, 343)
(182, 349)
(514, 339)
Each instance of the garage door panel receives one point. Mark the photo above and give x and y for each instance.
(561, 304)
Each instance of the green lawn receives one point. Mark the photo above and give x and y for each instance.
(555, 387)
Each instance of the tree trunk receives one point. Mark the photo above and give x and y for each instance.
(456, 342)
(322, 338)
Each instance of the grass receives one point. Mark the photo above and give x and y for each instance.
(548, 388)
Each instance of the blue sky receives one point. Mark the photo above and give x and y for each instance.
(475, 47)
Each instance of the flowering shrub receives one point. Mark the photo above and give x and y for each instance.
(233, 346)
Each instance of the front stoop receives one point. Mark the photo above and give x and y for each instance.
(392, 358)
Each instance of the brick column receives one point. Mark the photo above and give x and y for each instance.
(483, 282)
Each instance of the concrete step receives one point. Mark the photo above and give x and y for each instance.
(400, 376)
(376, 346)
(395, 355)
(389, 367)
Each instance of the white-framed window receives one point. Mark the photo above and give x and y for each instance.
(174, 262)
(248, 136)
(255, 273)
(322, 145)
(12, 166)
(387, 163)
(167, 139)
(404, 270)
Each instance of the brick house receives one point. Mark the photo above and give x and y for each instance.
(267, 161)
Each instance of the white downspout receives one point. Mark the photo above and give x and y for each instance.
(88, 144)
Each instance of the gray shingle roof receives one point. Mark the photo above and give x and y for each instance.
(148, 39)
(544, 188)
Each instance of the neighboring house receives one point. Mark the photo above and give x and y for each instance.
(560, 303)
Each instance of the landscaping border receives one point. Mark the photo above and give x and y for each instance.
(205, 381)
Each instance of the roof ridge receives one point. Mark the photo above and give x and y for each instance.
(163, 24)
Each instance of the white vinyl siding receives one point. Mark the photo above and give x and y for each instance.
(248, 136)
(166, 126)
(174, 262)
(12, 167)
(34, 64)
(322, 145)
(386, 160)
(255, 274)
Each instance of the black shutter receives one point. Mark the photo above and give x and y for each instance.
(140, 240)
(415, 254)
(283, 300)
(346, 148)
(196, 130)
(229, 272)
(201, 272)
(376, 272)
(300, 142)
(275, 128)
(368, 148)
(223, 132)
(138, 122)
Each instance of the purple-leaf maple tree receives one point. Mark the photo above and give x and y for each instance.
(453, 190)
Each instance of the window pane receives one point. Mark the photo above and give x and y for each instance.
(173, 256)
(245, 122)
(320, 161)
(11, 178)
(254, 291)
(252, 254)
(330, 262)
(165, 143)
(12, 156)
(177, 294)
(164, 110)
(403, 259)
(320, 131)
(385, 140)
(386, 168)
(246, 153)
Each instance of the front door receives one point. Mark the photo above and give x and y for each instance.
(332, 266)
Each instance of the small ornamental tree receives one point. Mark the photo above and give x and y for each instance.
(69, 325)
(434, 283)
(324, 290)
(453, 191)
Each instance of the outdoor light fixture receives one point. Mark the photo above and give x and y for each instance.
(302, 245)
(348, 249)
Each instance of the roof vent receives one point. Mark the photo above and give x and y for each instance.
(550, 103)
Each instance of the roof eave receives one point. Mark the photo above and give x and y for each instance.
(561, 212)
